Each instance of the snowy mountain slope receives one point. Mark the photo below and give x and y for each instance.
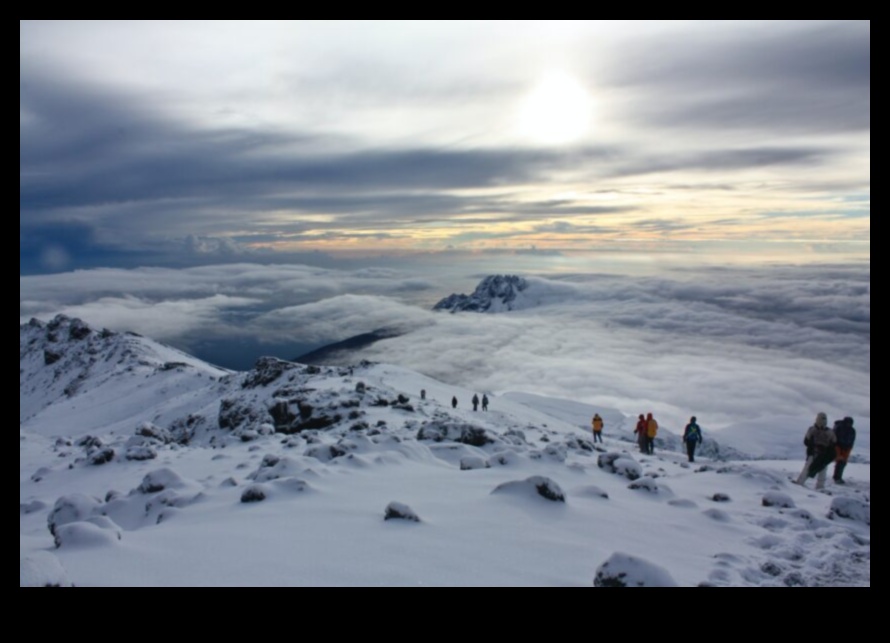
(283, 475)
(73, 379)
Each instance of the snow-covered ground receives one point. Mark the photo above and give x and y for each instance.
(151, 468)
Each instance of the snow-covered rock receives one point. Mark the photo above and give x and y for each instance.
(850, 508)
(400, 511)
(162, 479)
(777, 499)
(254, 493)
(624, 570)
(274, 467)
(455, 432)
(92, 533)
(42, 569)
(645, 483)
(621, 464)
(470, 462)
(71, 508)
(532, 487)
(141, 453)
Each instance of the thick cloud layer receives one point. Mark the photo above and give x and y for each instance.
(724, 344)
(735, 344)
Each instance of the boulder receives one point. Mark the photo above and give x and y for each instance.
(535, 486)
(400, 511)
(624, 570)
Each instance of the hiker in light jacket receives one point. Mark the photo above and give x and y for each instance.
(819, 441)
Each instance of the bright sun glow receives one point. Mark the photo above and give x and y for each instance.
(557, 111)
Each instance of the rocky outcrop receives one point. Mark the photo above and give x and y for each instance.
(494, 293)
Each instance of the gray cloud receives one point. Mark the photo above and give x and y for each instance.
(781, 77)
(405, 137)
(103, 160)
(86, 147)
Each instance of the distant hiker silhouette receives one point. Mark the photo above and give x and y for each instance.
(597, 423)
(454, 402)
(475, 402)
(484, 402)
(820, 443)
(692, 437)
(423, 394)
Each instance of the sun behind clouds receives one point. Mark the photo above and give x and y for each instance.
(556, 111)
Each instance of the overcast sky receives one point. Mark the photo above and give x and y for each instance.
(180, 143)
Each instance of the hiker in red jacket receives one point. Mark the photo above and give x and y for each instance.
(642, 436)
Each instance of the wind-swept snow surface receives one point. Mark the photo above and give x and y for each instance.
(140, 466)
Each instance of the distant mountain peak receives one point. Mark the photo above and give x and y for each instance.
(495, 293)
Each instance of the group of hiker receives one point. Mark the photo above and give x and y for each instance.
(647, 429)
(826, 445)
(476, 401)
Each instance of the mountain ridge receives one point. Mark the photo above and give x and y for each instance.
(495, 293)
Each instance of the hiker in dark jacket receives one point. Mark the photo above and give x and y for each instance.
(846, 436)
(819, 441)
(475, 402)
(692, 437)
(484, 402)
(454, 402)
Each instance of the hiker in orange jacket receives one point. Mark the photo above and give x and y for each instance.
(651, 430)
(597, 423)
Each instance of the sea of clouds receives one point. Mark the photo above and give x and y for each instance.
(726, 344)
